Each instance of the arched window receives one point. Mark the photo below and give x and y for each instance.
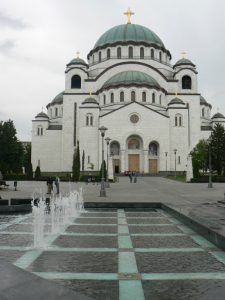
(56, 111)
(122, 96)
(142, 53)
(40, 131)
(61, 111)
(143, 96)
(108, 53)
(100, 56)
(203, 112)
(160, 56)
(130, 52)
(133, 96)
(160, 99)
(112, 98)
(134, 144)
(75, 82)
(114, 148)
(153, 98)
(50, 112)
(152, 53)
(186, 82)
(119, 52)
(89, 120)
(178, 120)
(104, 99)
(153, 149)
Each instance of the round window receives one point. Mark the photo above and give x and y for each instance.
(134, 118)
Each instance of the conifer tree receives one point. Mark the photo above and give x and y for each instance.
(76, 163)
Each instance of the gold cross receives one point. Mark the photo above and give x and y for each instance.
(90, 93)
(176, 93)
(129, 13)
(77, 53)
(184, 54)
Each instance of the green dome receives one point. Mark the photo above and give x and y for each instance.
(127, 33)
(176, 101)
(218, 116)
(77, 61)
(131, 78)
(184, 61)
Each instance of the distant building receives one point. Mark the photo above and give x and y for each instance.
(150, 106)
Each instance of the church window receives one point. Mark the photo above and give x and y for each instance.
(56, 111)
(108, 53)
(104, 99)
(114, 148)
(89, 159)
(160, 99)
(153, 98)
(50, 112)
(100, 56)
(76, 82)
(186, 82)
(133, 96)
(122, 96)
(40, 131)
(89, 120)
(134, 118)
(119, 52)
(133, 144)
(178, 160)
(112, 98)
(143, 96)
(62, 111)
(130, 52)
(160, 56)
(142, 53)
(152, 53)
(178, 120)
(203, 112)
(153, 149)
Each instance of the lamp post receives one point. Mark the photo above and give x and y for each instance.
(102, 130)
(107, 166)
(175, 161)
(210, 185)
(166, 153)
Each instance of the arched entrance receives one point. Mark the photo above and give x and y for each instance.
(134, 150)
(115, 154)
(153, 152)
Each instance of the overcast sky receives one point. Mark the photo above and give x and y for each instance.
(39, 37)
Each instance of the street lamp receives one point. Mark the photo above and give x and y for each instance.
(175, 161)
(107, 166)
(102, 130)
(210, 185)
(166, 153)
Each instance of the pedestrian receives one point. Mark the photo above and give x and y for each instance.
(130, 176)
(135, 176)
(48, 182)
(57, 180)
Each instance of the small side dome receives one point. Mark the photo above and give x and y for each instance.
(57, 100)
(203, 101)
(90, 101)
(218, 116)
(42, 115)
(176, 101)
(77, 61)
(184, 61)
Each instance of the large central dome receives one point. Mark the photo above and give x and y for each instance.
(129, 33)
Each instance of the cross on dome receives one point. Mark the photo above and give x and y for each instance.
(184, 54)
(129, 13)
(78, 54)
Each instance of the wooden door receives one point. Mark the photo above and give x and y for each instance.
(116, 166)
(153, 168)
(133, 162)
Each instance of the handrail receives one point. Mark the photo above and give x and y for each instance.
(127, 57)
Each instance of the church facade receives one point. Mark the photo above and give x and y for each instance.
(152, 109)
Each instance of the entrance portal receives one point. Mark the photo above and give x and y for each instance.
(133, 162)
(153, 169)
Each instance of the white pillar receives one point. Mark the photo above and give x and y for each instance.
(189, 173)
(146, 163)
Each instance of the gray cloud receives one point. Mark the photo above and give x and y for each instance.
(6, 46)
(7, 21)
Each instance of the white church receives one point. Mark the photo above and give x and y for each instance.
(152, 108)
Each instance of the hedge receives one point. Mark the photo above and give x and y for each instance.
(204, 179)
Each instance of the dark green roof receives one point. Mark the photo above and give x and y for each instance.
(176, 101)
(131, 78)
(42, 115)
(90, 101)
(184, 61)
(129, 32)
(77, 61)
(218, 116)
(58, 99)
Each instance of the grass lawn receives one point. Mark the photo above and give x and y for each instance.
(181, 178)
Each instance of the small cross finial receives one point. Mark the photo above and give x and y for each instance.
(129, 13)
(90, 93)
(184, 54)
(78, 54)
(176, 93)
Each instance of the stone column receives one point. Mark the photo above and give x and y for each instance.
(123, 160)
(146, 163)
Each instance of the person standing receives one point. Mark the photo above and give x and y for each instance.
(130, 176)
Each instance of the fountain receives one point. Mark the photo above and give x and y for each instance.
(51, 215)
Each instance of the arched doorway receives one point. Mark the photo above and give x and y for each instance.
(115, 154)
(153, 152)
(134, 150)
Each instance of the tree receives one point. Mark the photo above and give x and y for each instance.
(76, 163)
(11, 150)
(104, 168)
(200, 158)
(27, 162)
(218, 148)
(37, 173)
(83, 158)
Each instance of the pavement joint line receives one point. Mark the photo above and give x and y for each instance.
(219, 255)
(67, 249)
(89, 234)
(16, 220)
(169, 249)
(81, 276)
(86, 224)
(17, 248)
(183, 276)
(131, 290)
(200, 240)
(158, 234)
(16, 232)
